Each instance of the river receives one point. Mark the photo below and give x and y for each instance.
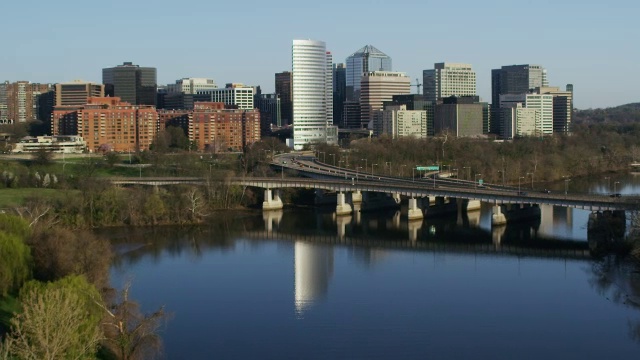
(303, 284)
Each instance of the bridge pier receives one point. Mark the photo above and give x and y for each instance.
(356, 197)
(272, 200)
(498, 218)
(343, 208)
(414, 212)
(342, 222)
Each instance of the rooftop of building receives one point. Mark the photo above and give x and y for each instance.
(370, 50)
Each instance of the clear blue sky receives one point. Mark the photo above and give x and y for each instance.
(592, 44)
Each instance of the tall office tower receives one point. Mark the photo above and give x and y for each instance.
(339, 93)
(562, 107)
(328, 93)
(270, 112)
(312, 94)
(20, 101)
(284, 81)
(378, 87)
(76, 92)
(449, 79)
(462, 116)
(543, 103)
(133, 84)
(191, 85)
(518, 121)
(351, 115)
(365, 60)
(232, 94)
(516, 79)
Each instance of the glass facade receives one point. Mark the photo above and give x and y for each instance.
(362, 61)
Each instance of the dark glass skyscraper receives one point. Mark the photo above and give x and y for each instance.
(339, 93)
(131, 83)
(362, 61)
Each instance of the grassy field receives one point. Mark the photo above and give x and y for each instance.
(16, 197)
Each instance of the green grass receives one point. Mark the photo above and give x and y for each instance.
(17, 197)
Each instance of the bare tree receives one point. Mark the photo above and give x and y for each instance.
(130, 334)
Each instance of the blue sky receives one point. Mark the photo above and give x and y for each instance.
(592, 44)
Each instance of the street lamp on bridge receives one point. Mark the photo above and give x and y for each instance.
(475, 179)
(388, 163)
(357, 168)
(608, 178)
(323, 155)
(502, 171)
(468, 171)
(566, 185)
(372, 165)
(334, 159)
(615, 187)
(365, 164)
(520, 178)
(531, 179)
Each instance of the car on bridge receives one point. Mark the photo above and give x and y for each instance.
(617, 195)
(522, 193)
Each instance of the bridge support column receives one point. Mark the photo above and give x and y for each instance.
(397, 198)
(414, 211)
(272, 200)
(473, 205)
(498, 218)
(356, 197)
(343, 208)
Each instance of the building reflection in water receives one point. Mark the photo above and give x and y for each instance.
(313, 271)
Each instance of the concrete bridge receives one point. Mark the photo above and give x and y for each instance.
(422, 195)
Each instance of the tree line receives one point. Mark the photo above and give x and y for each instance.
(65, 307)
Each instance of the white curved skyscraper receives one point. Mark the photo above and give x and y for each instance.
(312, 94)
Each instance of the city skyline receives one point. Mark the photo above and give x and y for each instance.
(574, 41)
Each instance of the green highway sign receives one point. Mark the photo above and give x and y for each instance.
(428, 168)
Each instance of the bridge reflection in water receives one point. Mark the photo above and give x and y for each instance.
(369, 238)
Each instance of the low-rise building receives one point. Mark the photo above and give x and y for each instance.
(57, 144)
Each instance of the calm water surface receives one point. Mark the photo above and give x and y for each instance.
(301, 284)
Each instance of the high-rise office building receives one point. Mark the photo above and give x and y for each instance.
(133, 84)
(191, 85)
(562, 107)
(449, 79)
(76, 92)
(513, 80)
(339, 93)
(378, 87)
(284, 89)
(516, 79)
(365, 60)
(462, 116)
(312, 94)
(270, 112)
(232, 94)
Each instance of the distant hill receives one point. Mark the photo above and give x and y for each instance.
(623, 114)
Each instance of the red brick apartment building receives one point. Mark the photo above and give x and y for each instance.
(214, 128)
(108, 123)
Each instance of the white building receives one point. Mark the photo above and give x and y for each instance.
(449, 79)
(544, 104)
(397, 122)
(519, 121)
(67, 144)
(233, 94)
(312, 94)
(191, 85)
